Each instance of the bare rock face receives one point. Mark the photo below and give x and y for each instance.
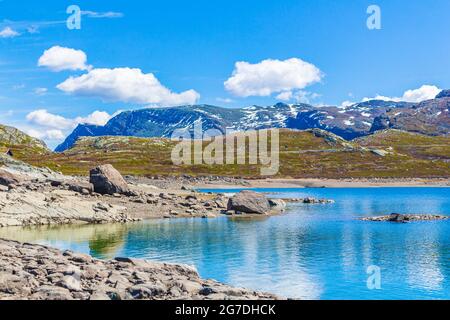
(249, 202)
(107, 180)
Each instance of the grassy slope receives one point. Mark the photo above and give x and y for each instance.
(303, 154)
(412, 144)
(20, 144)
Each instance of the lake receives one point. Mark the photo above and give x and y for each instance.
(310, 252)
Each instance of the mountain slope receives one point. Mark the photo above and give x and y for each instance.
(347, 122)
(429, 117)
(19, 143)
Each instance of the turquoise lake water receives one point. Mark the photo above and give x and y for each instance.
(311, 252)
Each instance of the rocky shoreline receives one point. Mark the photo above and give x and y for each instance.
(35, 272)
(35, 196)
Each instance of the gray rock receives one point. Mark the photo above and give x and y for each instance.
(68, 275)
(249, 202)
(71, 283)
(277, 204)
(51, 293)
(80, 186)
(7, 178)
(100, 296)
(107, 180)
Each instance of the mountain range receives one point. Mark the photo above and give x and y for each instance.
(429, 117)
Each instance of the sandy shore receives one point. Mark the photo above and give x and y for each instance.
(326, 183)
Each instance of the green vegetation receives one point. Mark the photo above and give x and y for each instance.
(20, 144)
(303, 154)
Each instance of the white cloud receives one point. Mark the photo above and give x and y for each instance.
(42, 133)
(46, 119)
(126, 85)
(43, 118)
(51, 127)
(271, 76)
(8, 32)
(109, 14)
(285, 96)
(99, 118)
(40, 91)
(54, 134)
(59, 58)
(297, 96)
(425, 92)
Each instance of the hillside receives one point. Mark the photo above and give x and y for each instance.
(20, 144)
(304, 154)
(412, 144)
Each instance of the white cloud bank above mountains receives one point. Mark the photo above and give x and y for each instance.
(425, 92)
(50, 126)
(126, 85)
(284, 77)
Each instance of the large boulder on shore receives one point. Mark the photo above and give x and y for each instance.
(249, 202)
(107, 180)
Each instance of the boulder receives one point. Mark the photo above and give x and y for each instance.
(107, 180)
(80, 186)
(7, 178)
(249, 202)
(277, 205)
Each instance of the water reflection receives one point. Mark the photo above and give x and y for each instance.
(312, 252)
(102, 241)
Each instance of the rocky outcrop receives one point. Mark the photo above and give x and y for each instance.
(36, 272)
(404, 218)
(13, 138)
(107, 180)
(250, 202)
(22, 207)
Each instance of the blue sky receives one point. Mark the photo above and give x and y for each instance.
(187, 51)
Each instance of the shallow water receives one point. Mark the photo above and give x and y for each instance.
(311, 252)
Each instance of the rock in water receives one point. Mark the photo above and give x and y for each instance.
(249, 202)
(107, 180)
(396, 217)
(277, 204)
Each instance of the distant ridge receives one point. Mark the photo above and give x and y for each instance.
(361, 119)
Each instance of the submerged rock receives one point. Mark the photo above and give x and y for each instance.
(107, 180)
